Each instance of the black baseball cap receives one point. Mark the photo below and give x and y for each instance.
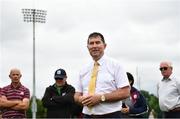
(60, 74)
(130, 77)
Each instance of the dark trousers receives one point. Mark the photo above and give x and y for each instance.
(171, 114)
(109, 115)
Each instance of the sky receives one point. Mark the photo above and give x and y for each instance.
(139, 34)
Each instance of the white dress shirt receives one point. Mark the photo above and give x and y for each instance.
(111, 76)
(169, 93)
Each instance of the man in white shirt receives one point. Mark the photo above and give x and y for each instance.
(112, 84)
(169, 91)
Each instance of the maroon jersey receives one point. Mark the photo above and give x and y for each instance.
(11, 93)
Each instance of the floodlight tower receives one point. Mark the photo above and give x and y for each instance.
(34, 15)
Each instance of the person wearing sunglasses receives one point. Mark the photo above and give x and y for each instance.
(169, 91)
(59, 98)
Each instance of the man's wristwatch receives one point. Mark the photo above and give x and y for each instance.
(103, 98)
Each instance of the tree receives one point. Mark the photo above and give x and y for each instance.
(41, 111)
(153, 103)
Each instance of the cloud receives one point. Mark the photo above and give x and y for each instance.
(138, 33)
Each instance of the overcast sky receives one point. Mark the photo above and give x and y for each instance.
(139, 34)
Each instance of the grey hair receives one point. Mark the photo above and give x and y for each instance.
(167, 62)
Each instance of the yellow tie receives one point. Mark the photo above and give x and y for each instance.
(92, 83)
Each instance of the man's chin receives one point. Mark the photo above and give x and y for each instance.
(95, 56)
(15, 81)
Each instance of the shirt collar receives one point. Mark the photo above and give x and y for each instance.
(168, 79)
(18, 86)
(102, 60)
(56, 86)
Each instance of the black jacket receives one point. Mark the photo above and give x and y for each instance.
(60, 105)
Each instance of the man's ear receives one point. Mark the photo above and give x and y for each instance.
(9, 76)
(105, 46)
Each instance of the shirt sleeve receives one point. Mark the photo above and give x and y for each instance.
(121, 77)
(27, 93)
(178, 84)
(3, 92)
(0, 92)
(78, 84)
(158, 89)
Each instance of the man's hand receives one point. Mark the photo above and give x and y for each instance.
(8, 103)
(91, 100)
(125, 110)
(22, 105)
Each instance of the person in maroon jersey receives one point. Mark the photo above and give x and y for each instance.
(14, 99)
(0, 105)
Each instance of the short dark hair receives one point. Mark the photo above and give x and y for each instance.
(94, 35)
(130, 78)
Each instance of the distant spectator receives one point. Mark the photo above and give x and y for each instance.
(14, 97)
(169, 91)
(135, 106)
(59, 98)
(0, 105)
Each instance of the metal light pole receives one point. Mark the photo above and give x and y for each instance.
(34, 15)
(138, 78)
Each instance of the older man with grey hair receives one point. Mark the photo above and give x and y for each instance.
(14, 97)
(169, 91)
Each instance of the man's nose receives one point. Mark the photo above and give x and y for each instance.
(16, 76)
(94, 45)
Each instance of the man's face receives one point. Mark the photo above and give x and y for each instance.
(60, 82)
(166, 71)
(96, 47)
(15, 76)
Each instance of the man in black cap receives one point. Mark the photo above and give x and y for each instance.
(59, 98)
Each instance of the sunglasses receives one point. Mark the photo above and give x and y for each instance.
(59, 78)
(163, 68)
